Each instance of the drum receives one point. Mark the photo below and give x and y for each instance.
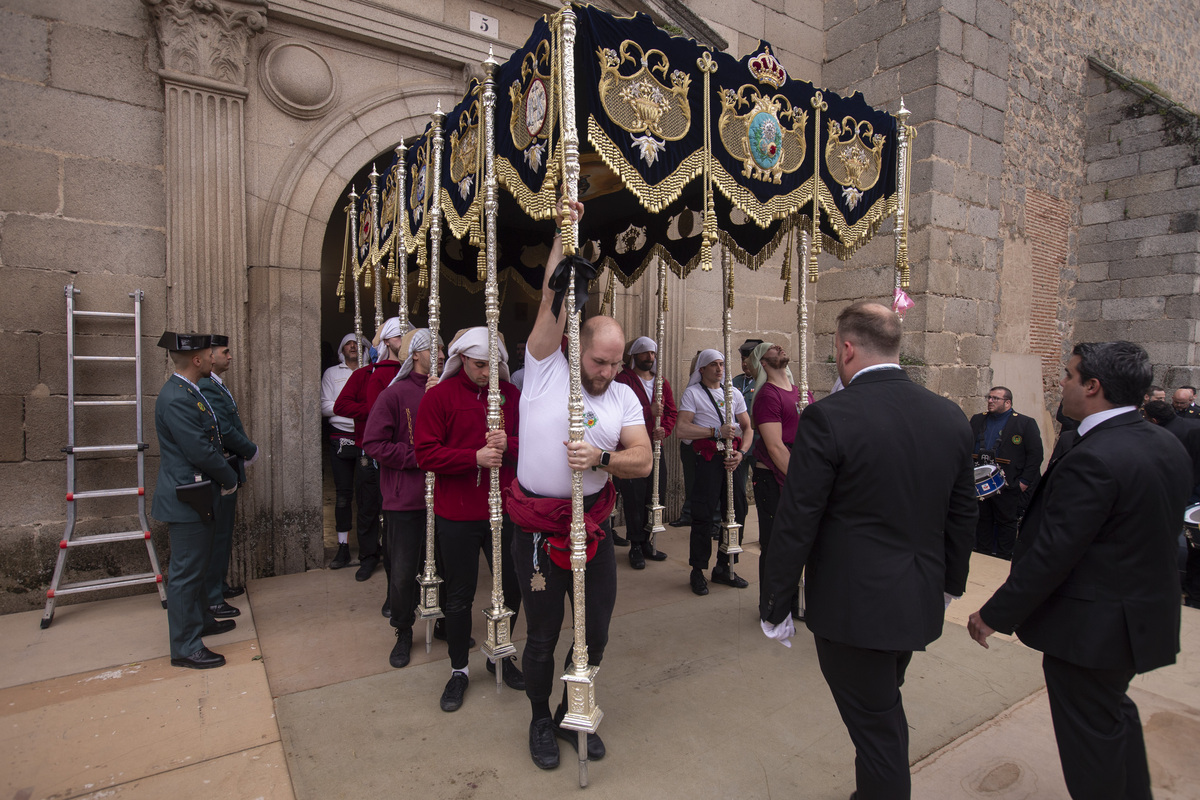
(1191, 525)
(988, 480)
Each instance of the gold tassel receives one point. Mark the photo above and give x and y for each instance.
(341, 287)
(481, 264)
(396, 291)
(606, 304)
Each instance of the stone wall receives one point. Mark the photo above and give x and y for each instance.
(1139, 255)
(949, 62)
(81, 200)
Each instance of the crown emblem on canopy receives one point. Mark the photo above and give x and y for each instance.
(767, 69)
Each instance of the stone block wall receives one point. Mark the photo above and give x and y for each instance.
(1139, 255)
(82, 201)
(950, 63)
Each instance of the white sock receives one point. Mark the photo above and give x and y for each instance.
(466, 671)
(343, 537)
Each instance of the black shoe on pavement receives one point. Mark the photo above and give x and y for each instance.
(402, 652)
(341, 558)
(513, 678)
(202, 659)
(217, 627)
(699, 584)
(365, 567)
(543, 748)
(682, 522)
(233, 591)
(650, 553)
(636, 560)
(620, 541)
(387, 608)
(456, 688)
(595, 746)
(728, 578)
(224, 610)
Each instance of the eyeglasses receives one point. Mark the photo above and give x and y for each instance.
(997, 399)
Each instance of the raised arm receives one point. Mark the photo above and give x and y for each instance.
(546, 336)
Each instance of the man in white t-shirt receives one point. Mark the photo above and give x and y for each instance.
(704, 419)
(343, 452)
(615, 444)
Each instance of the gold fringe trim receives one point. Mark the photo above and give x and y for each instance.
(653, 198)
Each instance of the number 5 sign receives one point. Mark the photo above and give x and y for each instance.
(485, 25)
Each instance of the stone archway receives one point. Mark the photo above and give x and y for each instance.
(281, 514)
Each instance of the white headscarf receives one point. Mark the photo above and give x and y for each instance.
(705, 358)
(760, 372)
(644, 344)
(415, 341)
(349, 337)
(390, 329)
(473, 344)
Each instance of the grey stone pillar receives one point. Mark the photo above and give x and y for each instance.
(204, 46)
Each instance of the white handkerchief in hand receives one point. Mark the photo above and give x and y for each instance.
(949, 597)
(783, 632)
(227, 492)
(253, 458)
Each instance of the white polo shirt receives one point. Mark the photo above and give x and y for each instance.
(542, 463)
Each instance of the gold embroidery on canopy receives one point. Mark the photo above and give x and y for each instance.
(465, 161)
(533, 114)
(767, 147)
(653, 197)
(642, 104)
(853, 159)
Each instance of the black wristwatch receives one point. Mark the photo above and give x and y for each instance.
(605, 457)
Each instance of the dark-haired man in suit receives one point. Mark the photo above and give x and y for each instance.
(885, 540)
(1093, 582)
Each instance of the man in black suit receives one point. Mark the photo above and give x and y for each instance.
(1014, 442)
(879, 508)
(1093, 582)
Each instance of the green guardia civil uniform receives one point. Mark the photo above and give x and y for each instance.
(235, 441)
(190, 450)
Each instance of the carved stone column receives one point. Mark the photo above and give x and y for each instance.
(204, 46)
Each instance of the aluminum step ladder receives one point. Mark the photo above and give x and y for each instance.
(69, 539)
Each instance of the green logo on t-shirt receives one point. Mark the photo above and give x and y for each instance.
(590, 419)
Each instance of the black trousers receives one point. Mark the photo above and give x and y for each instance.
(1099, 733)
(709, 496)
(766, 501)
(996, 531)
(635, 495)
(404, 551)
(544, 608)
(866, 687)
(687, 458)
(343, 460)
(370, 501)
(459, 543)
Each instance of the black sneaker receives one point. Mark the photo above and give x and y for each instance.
(543, 748)
(636, 559)
(341, 558)
(387, 608)
(595, 746)
(366, 566)
(456, 688)
(403, 649)
(699, 584)
(651, 553)
(728, 577)
(513, 678)
(620, 541)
